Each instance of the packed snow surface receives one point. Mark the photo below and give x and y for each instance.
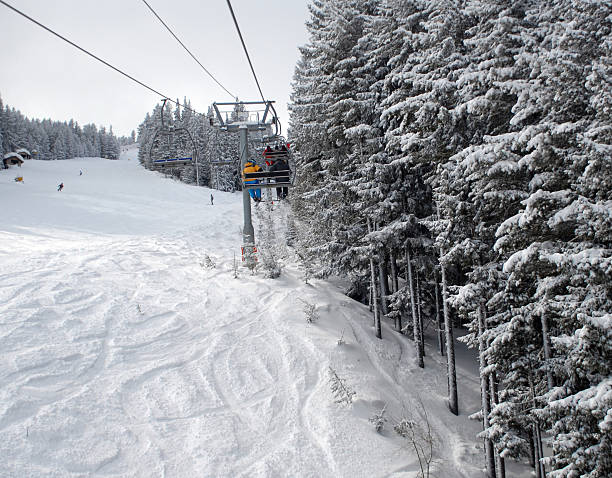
(130, 349)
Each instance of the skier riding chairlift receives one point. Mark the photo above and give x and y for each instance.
(280, 165)
(251, 167)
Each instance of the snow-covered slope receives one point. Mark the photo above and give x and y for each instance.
(130, 349)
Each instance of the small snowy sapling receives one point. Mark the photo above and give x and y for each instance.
(267, 244)
(310, 312)
(342, 392)
(250, 257)
(235, 267)
(421, 439)
(378, 419)
(207, 262)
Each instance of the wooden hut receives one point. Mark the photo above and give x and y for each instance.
(24, 153)
(11, 159)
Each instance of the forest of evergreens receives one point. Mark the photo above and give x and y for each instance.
(55, 140)
(457, 156)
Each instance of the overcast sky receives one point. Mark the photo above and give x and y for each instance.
(44, 77)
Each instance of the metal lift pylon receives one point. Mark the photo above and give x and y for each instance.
(246, 122)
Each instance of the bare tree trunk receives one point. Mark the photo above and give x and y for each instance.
(450, 346)
(398, 321)
(500, 465)
(394, 289)
(420, 317)
(537, 437)
(415, 322)
(377, 325)
(484, 391)
(532, 452)
(410, 290)
(537, 441)
(547, 352)
(407, 280)
(439, 316)
(394, 274)
(384, 283)
(541, 452)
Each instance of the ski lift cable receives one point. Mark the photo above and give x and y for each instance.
(96, 57)
(229, 4)
(186, 49)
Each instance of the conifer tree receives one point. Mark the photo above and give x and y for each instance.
(1, 128)
(550, 294)
(322, 110)
(499, 111)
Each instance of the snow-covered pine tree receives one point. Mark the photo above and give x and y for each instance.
(577, 408)
(60, 151)
(555, 247)
(102, 139)
(112, 145)
(418, 97)
(12, 120)
(1, 128)
(268, 243)
(51, 139)
(307, 130)
(442, 230)
(194, 124)
(478, 187)
(323, 109)
(144, 138)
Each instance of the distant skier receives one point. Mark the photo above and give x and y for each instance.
(60, 187)
(211, 200)
(80, 172)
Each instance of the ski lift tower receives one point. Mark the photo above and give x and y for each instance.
(246, 117)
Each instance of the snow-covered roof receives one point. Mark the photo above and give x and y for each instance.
(24, 151)
(13, 155)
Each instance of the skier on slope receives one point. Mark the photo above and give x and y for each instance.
(60, 186)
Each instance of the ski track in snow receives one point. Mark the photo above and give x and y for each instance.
(127, 356)
(129, 348)
(170, 372)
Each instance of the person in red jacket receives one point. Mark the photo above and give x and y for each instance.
(267, 154)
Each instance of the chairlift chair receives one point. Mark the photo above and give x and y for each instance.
(171, 146)
(279, 149)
